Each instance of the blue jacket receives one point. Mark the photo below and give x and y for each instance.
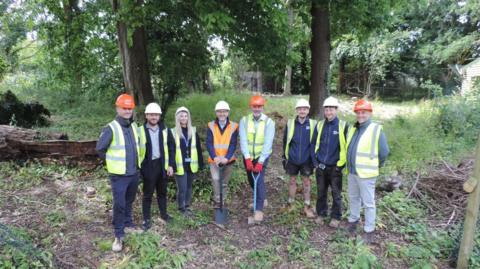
(383, 149)
(105, 140)
(231, 147)
(299, 150)
(329, 151)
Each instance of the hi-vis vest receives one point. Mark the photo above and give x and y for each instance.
(178, 153)
(366, 157)
(165, 144)
(221, 142)
(291, 131)
(116, 156)
(255, 136)
(341, 136)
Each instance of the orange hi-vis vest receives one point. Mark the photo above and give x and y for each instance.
(221, 142)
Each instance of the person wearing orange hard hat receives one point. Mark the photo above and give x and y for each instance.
(256, 133)
(123, 149)
(367, 150)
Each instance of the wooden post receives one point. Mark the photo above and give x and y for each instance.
(471, 215)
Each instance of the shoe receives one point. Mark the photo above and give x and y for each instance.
(146, 225)
(167, 218)
(320, 220)
(117, 244)
(258, 216)
(334, 223)
(369, 238)
(352, 228)
(132, 230)
(308, 212)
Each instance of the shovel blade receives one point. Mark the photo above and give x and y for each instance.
(221, 216)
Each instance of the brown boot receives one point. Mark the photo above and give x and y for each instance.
(258, 216)
(320, 220)
(308, 212)
(334, 223)
(369, 238)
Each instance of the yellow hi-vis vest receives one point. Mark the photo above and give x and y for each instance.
(341, 136)
(178, 153)
(116, 156)
(291, 131)
(255, 136)
(366, 157)
(165, 144)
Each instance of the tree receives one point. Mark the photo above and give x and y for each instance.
(132, 44)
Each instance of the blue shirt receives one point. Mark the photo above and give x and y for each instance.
(233, 140)
(329, 150)
(269, 135)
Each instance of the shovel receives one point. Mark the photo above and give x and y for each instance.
(221, 214)
(251, 220)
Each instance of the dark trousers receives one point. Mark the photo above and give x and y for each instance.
(261, 190)
(184, 189)
(330, 176)
(124, 189)
(154, 180)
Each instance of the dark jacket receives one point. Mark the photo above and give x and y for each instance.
(105, 140)
(329, 151)
(186, 149)
(231, 147)
(299, 150)
(146, 164)
(383, 149)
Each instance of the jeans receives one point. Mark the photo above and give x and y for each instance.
(261, 190)
(124, 190)
(184, 189)
(331, 177)
(362, 191)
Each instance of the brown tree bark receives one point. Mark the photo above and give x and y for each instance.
(341, 75)
(136, 73)
(287, 86)
(320, 48)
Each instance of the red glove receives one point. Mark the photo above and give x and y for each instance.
(249, 165)
(258, 168)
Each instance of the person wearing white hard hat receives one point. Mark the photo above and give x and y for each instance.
(329, 157)
(188, 158)
(222, 137)
(157, 165)
(296, 154)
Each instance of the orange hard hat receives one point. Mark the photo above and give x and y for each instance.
(362, 105)
(125, 101)
(257, 100)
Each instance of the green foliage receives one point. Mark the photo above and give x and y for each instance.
(352, 254)
(18, 251)
(14, 112)
(264, 257)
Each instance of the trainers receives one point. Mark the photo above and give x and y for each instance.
(320, 220)
(117, 244)
(334, 223)
(258, 216)
(308, 212)
(369, 238)
(132, 230)
(352, 228)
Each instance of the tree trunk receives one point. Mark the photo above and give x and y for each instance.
(341, 75)
(287, 86)
(304, 71)
(74, 46)
(136, 73)
(320, 47)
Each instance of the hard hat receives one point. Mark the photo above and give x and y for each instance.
(125, 101)
(362, 105)
(302, 103)
(222, 105)
(257, 100)
(182, 109)
(153, 108)
(331, 101)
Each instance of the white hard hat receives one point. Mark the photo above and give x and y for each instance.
(222, 105)
(302, 103)
(182, 108)
(153, 108)
(331, 101)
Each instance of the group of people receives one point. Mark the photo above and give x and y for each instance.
(328, 147)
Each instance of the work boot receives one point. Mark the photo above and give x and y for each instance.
(258, 216)
(352, 228)
(132, 230)
(308, 212)
(117, 244)
(334, 223)
(369, 238)
(320, 220)
(166, 218)
(146, 225)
